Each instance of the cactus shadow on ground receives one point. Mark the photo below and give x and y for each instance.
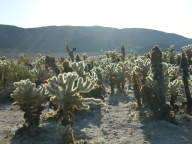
(164, 132)
(84, 119)
(118, 97)
(48, 133)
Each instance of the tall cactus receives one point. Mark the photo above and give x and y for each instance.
(185, 65)
(161, 110)
(123, 52)
(30, 100)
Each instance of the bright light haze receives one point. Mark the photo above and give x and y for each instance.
(173, 16)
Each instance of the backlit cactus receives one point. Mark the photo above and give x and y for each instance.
(11, 71)
(110, 76)
(79, 67)
(40, 72)
(160, 109)
(66, 92)
(30, 99)
(139, 73)
(188, 51)
(121, 75)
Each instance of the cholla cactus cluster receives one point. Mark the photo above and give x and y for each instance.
(156, 84)
(188, 51)
(11, 71)
(72, 84)
(66, 90)
(139, 75)
(50, 62)
(40, 71)
(116, 74)
(113, 55)
(170, 56)
(30, 100)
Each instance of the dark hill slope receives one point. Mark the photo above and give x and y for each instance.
(86, 39)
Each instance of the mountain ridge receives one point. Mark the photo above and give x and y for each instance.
(52, 39)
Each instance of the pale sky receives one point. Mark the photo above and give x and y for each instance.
(173, 16)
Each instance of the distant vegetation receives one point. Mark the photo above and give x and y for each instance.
(52, 39)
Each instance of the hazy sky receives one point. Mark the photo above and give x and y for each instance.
(174, 16)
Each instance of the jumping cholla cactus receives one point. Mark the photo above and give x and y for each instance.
(173, 92)
(30, 99)
(113, 55)
(50, 62)
(66, 90)
(110, 75)
(188, 51)
(79, 67)
(121, 72)
(139, 74)
(11, 71)
(40, 72)
(169, 56)
(99, 90)
(115, 74)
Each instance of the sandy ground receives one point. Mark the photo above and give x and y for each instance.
(116, 123)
